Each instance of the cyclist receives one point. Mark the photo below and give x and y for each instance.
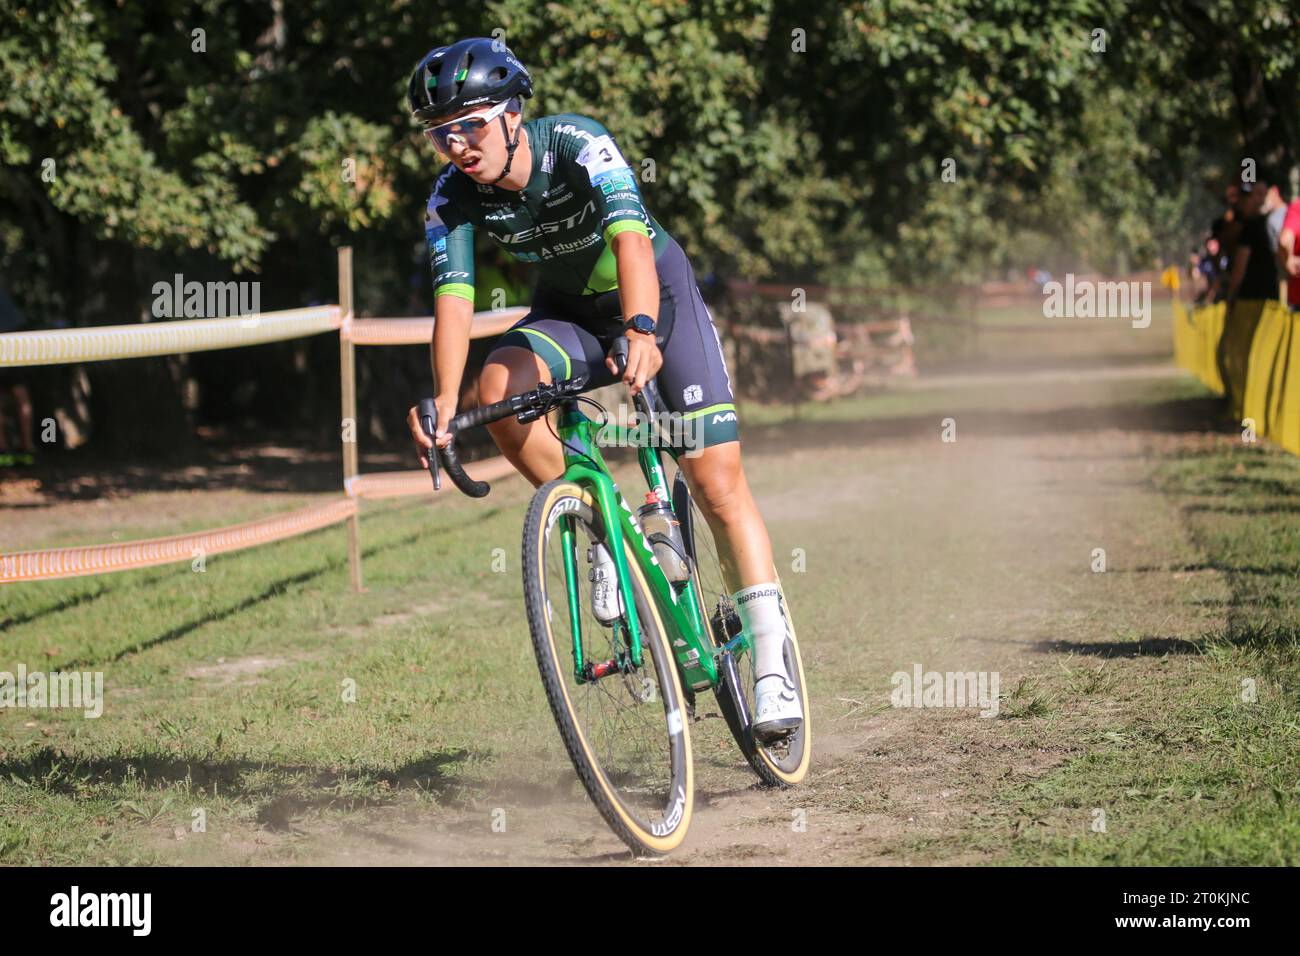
(556, 191)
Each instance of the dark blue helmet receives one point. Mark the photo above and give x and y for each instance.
(467, 73)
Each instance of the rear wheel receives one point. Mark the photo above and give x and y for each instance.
(784, 762)
(623, 725)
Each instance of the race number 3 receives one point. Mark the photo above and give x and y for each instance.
(599, 156)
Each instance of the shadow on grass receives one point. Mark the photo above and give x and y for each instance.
(293, 790)
(1142, 647)
(275, 589)
(1238, 510)
(1246, 635)
(211, 617)
(1223, 567)
(66, 604)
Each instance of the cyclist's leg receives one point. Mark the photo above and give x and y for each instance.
(538, 349)
(717, 481)
(694, 383)
(541, 349)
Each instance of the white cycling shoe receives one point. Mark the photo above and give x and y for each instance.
(606, 602)
(777, 713)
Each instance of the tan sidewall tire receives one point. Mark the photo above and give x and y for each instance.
(801, 771)
(648, 840)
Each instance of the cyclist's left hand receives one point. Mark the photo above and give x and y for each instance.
(643, 361)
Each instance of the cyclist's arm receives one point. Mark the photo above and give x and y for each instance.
(453, 317)
(601, 169)
(451, 258)
(638, 280)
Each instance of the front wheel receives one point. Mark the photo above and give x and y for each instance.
(623, 725)
(784, 762)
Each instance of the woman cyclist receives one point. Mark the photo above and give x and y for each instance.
(557, 192)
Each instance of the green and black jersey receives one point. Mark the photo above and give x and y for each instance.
(581, 194)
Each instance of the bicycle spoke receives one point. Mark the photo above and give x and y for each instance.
(627, 732)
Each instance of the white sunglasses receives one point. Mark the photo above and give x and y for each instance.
(469, 129)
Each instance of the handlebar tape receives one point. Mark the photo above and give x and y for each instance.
(482, 415)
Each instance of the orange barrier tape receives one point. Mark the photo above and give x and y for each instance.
(398, 484)
(98, 343)
(420, 331)
(104, 558)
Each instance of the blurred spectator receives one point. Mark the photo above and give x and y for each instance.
(1254, 268)
(1227, 228)
(1200, 271)
(1214, 263)
(13, 386)
(1274, 213)
(1287, 253)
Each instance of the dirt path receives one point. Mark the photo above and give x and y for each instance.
(974, 555)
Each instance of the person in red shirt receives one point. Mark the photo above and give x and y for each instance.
(1288, 257)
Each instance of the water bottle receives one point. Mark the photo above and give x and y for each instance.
(665, 535)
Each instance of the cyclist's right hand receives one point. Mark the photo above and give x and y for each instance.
(446, 411)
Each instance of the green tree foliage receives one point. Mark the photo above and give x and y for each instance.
(800, 140)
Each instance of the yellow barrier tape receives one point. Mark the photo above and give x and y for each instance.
(99, 343)
(1263, 386)
(1209, 326)
(104, 558)
(420, 330)
(1288, 427)
(1257, 349)
(1234, 350)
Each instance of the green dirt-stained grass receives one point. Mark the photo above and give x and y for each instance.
(225, 689)
(1201, 766)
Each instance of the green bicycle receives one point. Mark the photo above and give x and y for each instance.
(623, 691)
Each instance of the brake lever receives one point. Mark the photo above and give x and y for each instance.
(429, 423)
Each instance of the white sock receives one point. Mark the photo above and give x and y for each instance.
(761, 614)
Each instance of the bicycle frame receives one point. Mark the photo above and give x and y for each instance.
(678, 605)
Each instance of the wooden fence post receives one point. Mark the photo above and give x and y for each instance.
(350, 428)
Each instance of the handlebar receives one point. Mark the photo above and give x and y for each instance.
(526, 407)
(450, 460)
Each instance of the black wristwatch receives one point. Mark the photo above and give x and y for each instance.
(640, 323)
